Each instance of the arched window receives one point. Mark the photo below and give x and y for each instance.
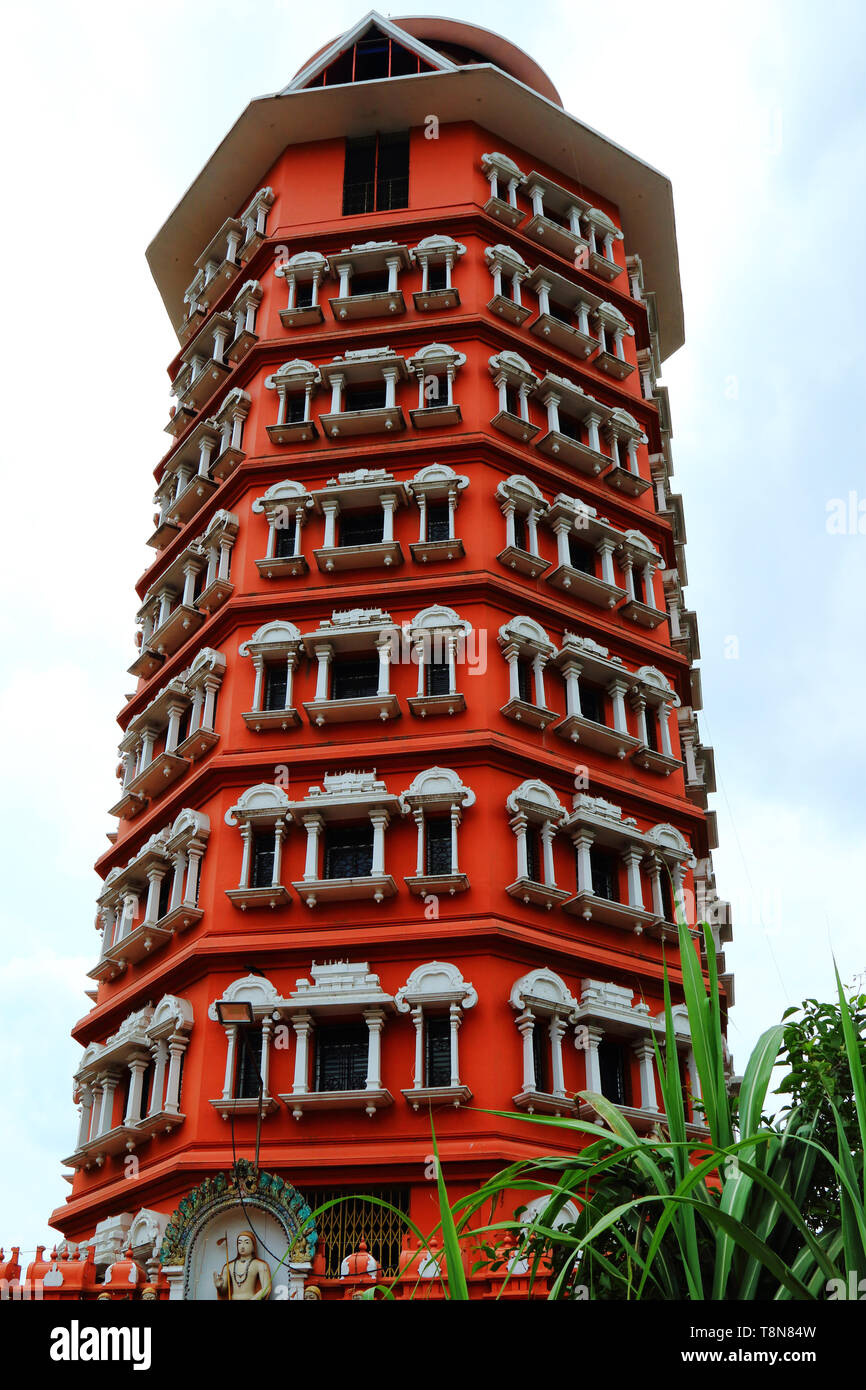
(536, 814)
(436, 489)
(527, 649)
(438, 640)
(274, 651)
(283, 505)
(545, 1008)
(436, 801)
(261, 816)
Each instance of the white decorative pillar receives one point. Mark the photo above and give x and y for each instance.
(375, 1019)
(389, 505)
(582, 844)
(231, 1045)
(337, 383)
(380, 820)
(279, 832)
(547, 831)
(176, 1048)
(390, 376)
(571, 672)
(631, 859)
(384, 651)
(303, 1026)
(538, 663)
(86, 1112)
(557, 1028)
(455, 822)
(645, 1053)
(109, 1086)
(605, 550)
(267, 1025)
(419, 1079)
(313, 826)
(324, 655)
(593, 1066)
(454, 1020)
(551, 401)
(511, 653)
(330, 509)
(526, 1028)
(617, 691)
(155, 874)
(518, 825)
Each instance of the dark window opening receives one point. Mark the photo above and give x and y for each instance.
(559, 311)
(541, 1055)
(605, 874)
(371, 282)
(356, 679)
(304, 294)
(348, 851)
(581, 556)
(512, 401)
(438, 521)
(361, 528)
(248, 1062)
(164, 894)
(376, 173)
(437, 1050)
(533, 854)
(276, 684)
(364, 397)
(285, 540)
(262, 865)
(614, 1070)
(592, 703)
(571, 428)
(295, 409)
(437, 678)
(520, 531)
(183, 725)
(437, 277)
(524, 681)
(341, 1057)
(438, 846)
(651, 722)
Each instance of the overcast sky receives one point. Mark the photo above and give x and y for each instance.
(757, 112)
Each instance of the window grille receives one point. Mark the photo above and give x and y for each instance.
(361, 528)
(343, 1226)
(262, 866)
(438, 844)
(438, 528)
(276, 680)
(248, 1062)
(341, 1057)
(437, 1051)
(612, 1064)
(355, 679)
(348, 851)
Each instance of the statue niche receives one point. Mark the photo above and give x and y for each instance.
(245, 1278)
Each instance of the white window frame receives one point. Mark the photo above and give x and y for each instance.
(436, 483)
(518, 495)
(278, 641)
(436, 789)
(435, 988)
(536, 804)
(523, 639)
(428, 365)
(509, 369)
(432, 251)
(282, 501)
(262, 807)
(345, 797)
(304, 268)
(508, 266)
(503, 173)
(541, 997)
(437, 627)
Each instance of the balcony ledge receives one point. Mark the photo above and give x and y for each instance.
(506, 309)
(368, 306)
(652, 761)
(429, 301)
(238, 349)
(600, 265)
(611, 914)
(282, 567)
(378, 555)
(422, 884)
(423, 705)
(245, 1105)
(196, 744)
(274, 896)
(302, 317)
(192, 499)
(626, 482)
(165, 769)
(600, 737)
(216, 593)
(642, 614)
(380, 420)
(611, 365)
(544, 1102)
(180, 625)
(163, 535)
(585, 586)
(421, 1096)
(146, 664)
(371, 1101)
(533, 716)
(180, 917)
(433, 552)
(140, 943)
(513, 425)
(563, 335)
(260, 719)
(539, 894)
(226, 462)
(205, 384)
(435, 417)
(129, 805)
(375, 887)
(567, 450)
(504, 212)
(295, 432)
(523, 561)
(366, 707)
(560, 240)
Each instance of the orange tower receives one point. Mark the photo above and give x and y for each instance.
(411, 782)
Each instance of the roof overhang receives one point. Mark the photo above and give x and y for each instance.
(482, 94)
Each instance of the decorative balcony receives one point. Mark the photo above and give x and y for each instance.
(573, 419)
(368, 275)
(359, 509)
(437, 257)
(556, 217)
(436, 366)
(503, 175)
(363, 393)
(294, 383)
(560, 303)
(284, 505)
(303, 274)
(436, 490)
(602, 235)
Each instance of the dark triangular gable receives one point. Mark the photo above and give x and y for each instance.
(374, 49)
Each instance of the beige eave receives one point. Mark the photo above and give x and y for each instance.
(483, 94)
